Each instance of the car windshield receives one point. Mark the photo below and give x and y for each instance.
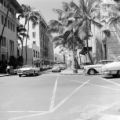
(105, 61)
(26, 66)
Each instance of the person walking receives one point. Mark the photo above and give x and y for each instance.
(8, 69)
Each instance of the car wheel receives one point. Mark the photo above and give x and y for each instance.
(91, 72)
(118, 74)
(20, 75)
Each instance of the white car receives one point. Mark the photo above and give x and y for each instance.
(97, 68)
(111, 69)
(56, 69)
(28, 70)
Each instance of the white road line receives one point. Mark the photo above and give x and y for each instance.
(25, 111)
(53, 95)
(69, 96)
(97, 85)
(28, 116)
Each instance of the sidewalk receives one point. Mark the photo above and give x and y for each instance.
(3, 74)
(70, 72)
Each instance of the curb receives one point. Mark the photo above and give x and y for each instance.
(5, 75)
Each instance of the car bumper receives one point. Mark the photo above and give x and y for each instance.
(109, 73)
(25, 73)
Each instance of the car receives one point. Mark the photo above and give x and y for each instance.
(16, 69)
(28, 70)
(111, 69)
(56, 69)
(62, 66)
(96, 68)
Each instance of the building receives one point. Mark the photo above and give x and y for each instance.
(39, 48)
(8, 43)
(102, 46)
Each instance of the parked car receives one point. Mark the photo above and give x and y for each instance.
(16, 69)
(62, 66)
(97, 68)
(111, 69)
(56, 69)
(28, 70)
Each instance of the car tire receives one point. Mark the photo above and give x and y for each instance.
(34, 73)
(91, 72)
(118, 74)
(20, 75)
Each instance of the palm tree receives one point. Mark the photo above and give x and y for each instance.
(67, 27)
(89, 10)
(21, 33)
(29, 15)
(74, 24)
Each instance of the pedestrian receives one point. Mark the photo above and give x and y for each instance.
(8, 69)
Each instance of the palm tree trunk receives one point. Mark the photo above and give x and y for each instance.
(89, 52)
(3, 28)
(26, 42)
(22, 42)
(87, 31)
(22, 47)
(74, 57)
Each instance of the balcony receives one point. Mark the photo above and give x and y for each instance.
(4, 10)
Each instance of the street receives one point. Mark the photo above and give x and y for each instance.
(52, 96)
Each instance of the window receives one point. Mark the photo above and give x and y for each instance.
(11, 47)
(34, 34)
(2, 19)
(3, 41)
(1, 1)
(13, 27)
(33, 53)
(33, 26)
(34, 42)
(36, 54)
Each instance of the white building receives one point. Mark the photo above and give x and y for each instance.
(39, 46)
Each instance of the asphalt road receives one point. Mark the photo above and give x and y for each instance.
(52, 96)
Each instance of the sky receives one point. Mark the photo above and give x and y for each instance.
(45, 6)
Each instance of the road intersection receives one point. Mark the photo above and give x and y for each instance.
(59, 97)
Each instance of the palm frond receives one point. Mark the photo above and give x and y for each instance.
(98, 24)
(54, 23)
(65, 6)
(59, 12)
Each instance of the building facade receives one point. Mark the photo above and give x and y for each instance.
(8, 43)
(39, 48)
(102, 46)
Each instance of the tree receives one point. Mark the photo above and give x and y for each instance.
(88, 10)
(74, 25)
(29, 15)
(21, 33)
(67, 27)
